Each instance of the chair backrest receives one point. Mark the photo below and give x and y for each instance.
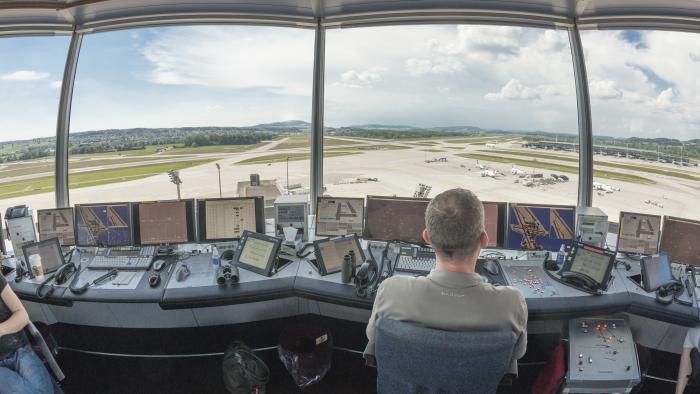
(46, 354)
(411, 359)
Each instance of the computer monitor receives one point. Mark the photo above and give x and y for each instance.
(103, 225)
(163, 222)
(540, 227)
(638, 233)
(331, 252)
(592, 263)
(257, 252)
(656, 272)
(680, 238)
(225, 219)
(57, 223)
(495, 222)
(50, 252)
(395, 219)
(339, 216)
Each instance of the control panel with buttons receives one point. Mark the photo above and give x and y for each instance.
(602, 356)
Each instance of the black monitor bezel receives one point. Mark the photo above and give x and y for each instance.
(661, 237)
(190, 217)
(502, 223)
(38, 223)
(566, 267)
(619, 231)
(267, 271)
(202, 217)
(366, 219)
(75, 224)
(39, 244)
(506, 243)
(318, 201)
(319, 256)
(644, 261)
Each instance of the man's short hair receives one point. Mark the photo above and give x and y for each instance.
(455, 222)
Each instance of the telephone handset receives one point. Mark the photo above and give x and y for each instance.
(582, 280)
(59, 277)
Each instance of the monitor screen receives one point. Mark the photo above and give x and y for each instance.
(656, 271)
(332, 252)
(494, 223)
(593, 263)
(639, 233)
(395, 219)
(57, 223)
(163, 222)
(339, 216)
(681, 240)
(227, 219)
(257, 252)
(540, 227)
(50, 252)
(103, 224)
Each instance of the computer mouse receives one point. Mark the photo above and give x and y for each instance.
(158, 265)
(491, 266)
(154, 280)
(182, 273)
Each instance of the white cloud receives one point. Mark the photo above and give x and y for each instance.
(24, 75)
(514, 90)
(444, 65)
(665, 98)
(56, 84)
(215, 107)
(358, 79)
(604, 90)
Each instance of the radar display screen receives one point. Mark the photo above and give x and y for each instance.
(225, 219)
(339, 216)
(592, 262)
(639, 233)
(103, 225)
(681, 240)
(395, 219)
(494, 223)
(57, 223)
(540, 227)
(257, 252)
(163, 222)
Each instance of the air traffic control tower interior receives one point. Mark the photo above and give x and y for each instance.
(210, 197)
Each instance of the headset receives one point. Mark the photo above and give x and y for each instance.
(59, 277)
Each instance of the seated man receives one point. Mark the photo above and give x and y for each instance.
(692, 341)
(21, 371)
(452, 297)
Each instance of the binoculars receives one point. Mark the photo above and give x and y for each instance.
(227, 273)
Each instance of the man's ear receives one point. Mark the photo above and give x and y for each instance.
(426, 236)
(484, 239)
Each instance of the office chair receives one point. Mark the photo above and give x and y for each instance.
(415, 359)
(36, 340)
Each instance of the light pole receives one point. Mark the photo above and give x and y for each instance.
(218, 168)
(287, 174)
(175, 178)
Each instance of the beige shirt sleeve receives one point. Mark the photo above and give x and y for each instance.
(521, 332)
(371, 327)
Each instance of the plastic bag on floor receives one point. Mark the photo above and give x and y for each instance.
(306, 353)
(243, 371)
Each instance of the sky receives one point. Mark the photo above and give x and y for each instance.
(642, 83)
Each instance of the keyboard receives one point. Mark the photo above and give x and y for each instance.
(416, 260)
(123, 258)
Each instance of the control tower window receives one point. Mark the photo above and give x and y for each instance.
(644, 98)
(414, 110)
(187, 98)
(31, 73)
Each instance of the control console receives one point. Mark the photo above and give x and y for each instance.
(531, 280)
(602, 356)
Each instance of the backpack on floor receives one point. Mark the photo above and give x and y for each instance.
(243, 371)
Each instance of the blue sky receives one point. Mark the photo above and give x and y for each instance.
(493, 77)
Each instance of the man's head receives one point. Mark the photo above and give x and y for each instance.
(454, 222)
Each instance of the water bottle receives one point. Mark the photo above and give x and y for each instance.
(353, 262)
(346, 270)
(561, 255)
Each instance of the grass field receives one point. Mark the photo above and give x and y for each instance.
(558, 167)
(425, 143)
(632, 167)
(302, 141)
(92, 178)
(481, 138)
(370, 147)
(282, 157)
(432, 150)
(212, 149)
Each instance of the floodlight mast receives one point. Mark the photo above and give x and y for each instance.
(218, 168)
(175, 178)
